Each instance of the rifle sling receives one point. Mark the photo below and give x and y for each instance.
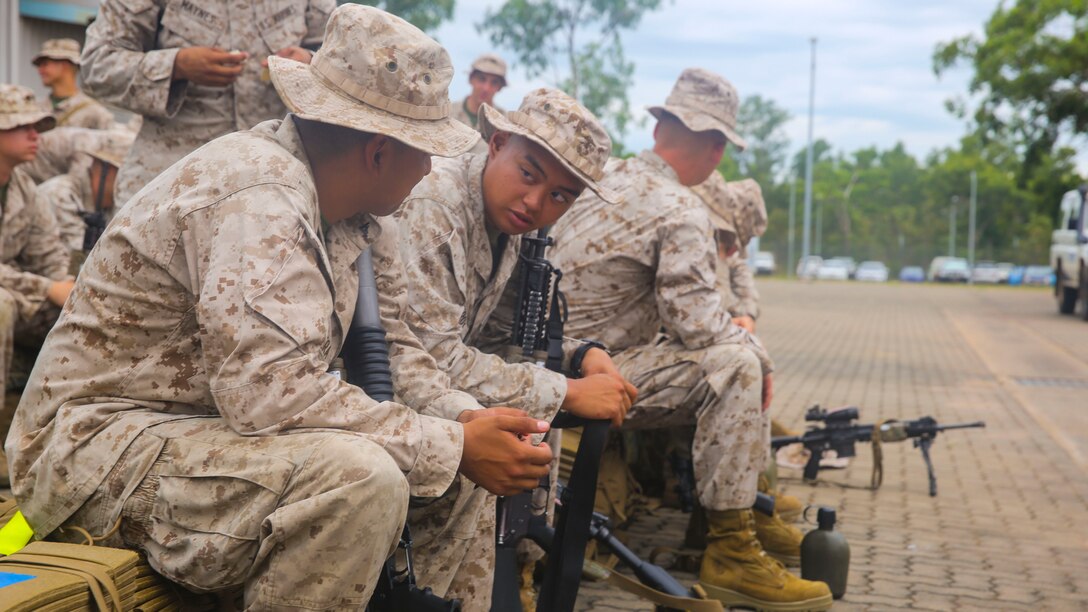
(877, 477)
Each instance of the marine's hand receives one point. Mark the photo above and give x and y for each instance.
(496, 458)
(59, 290)
(209, 66)
(746, 322)
(600, 396)
(469, 415)
(768, 392)
(597, 361)
(293, 53)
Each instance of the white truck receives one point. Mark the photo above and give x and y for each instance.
(1069, 254)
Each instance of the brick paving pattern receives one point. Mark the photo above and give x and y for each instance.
(1008, 527)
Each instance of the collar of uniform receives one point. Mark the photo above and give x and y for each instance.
(656, 162)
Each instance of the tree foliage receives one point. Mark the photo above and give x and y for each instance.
(424, 14)
(578, 42)
(1029, 75)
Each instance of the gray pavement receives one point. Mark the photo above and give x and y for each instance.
(1008, 527)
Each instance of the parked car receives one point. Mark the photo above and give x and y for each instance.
(952, 270)
(934, 266)
(1040, 276)
(809, 266)
(763, 263)
(1004, 269)
(872, 271)
(1016, 276)
(851, 265)
(912, 274)
(986, 272)
(833, 269)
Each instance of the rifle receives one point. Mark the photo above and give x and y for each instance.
(366, 362)
(840, 434)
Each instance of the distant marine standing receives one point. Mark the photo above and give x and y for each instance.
(58, 66)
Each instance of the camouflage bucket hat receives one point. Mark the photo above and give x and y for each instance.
(557, 122)
(749, 209)
(376, 73)
(66, 49)
(715, 195)
(491, 64)
(19, 107)
(703, 101)
(113, 146)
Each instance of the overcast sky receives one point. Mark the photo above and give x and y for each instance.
(874, 80)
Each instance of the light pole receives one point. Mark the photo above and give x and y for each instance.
(793, 199)
(952, 226)
(971, 222)
(807, 231)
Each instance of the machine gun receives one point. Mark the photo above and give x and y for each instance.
(366, 361)
(840, 434)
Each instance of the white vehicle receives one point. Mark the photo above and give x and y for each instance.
(872, 271)
(809, 266)
(763, 263)
(1069, 254)
(833, 269)
(987, 272)
(851, 265)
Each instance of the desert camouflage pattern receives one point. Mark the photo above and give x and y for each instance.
(459, 112)
(454, 289)
(218, 293)
(302, 521)
(61, 151)
(490, 63)
(129, 56)
(631, 269)
(738, 286)
(745, 199)
(66, 49)
(647, 264)
(65, 196)
(31, 259)
(377, 73)
(83, 111)
(703, 100)
(19, 106)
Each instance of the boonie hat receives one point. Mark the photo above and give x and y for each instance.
(557, 122)
(59, 49)
(491, 64)
(19, 107)
(703, 101)
(113, 146)
(749, 209)
(376, 73)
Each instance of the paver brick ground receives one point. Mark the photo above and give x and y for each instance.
(1008, 527)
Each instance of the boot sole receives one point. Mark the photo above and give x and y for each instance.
(729, 597)
(787, 560)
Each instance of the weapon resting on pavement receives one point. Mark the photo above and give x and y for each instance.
(840, 434)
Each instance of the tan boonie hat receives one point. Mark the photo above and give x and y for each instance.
(59, 49)
(376, 73)
(557, 122)
(491, 64)
(113, 146)
(736, 207)
(19, 107)
(703, 101)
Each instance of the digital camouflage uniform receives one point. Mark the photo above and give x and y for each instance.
(185, 389)
(628, 270)
(129, 57)
(79, 110)
(736, 207)
(60, 151)
(491, 64)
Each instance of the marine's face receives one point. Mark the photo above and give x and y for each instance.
(485, 86)
(525, 187)
(19, 145)
(404, 168)
(51, 70)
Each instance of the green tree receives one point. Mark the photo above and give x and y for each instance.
(424, 14)
(762, 123)
(1029, 75)
(545, 36)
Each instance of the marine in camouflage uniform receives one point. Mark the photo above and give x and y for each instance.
(62, 150)
(630, 271)
(739, 214)
(130, 61)
(184, 394)
(58, 66)
(461, 248)
(33, 264)
(487, 77)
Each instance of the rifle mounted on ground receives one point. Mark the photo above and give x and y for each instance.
(840, 434)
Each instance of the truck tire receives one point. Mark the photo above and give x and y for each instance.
(1084, 293)
(1067, 299)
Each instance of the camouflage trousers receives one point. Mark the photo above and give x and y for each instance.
(718, 390)
(454, 544)
(301, 520)
(26, 332)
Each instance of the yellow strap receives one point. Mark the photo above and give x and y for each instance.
(15, 535)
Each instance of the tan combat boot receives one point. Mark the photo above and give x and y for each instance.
(737, 572)
(779, 540)
(787, 507)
